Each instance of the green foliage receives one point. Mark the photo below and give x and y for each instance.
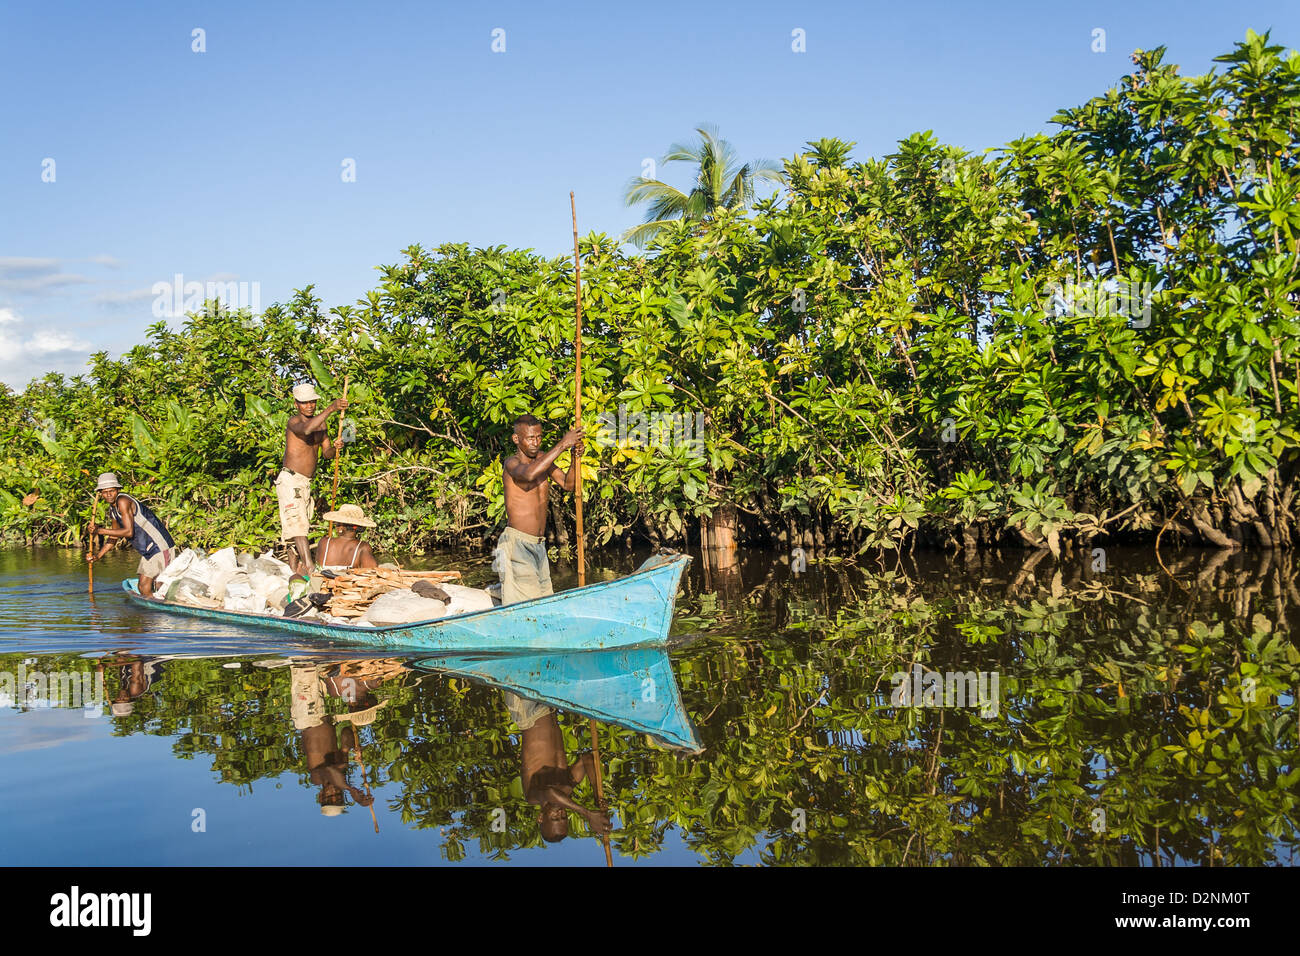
(1101, 323)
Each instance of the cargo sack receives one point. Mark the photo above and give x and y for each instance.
(403, 607)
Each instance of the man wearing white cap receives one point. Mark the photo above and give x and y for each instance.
(134, 521)
(304, 437)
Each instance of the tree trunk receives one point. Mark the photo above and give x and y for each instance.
(722, 537)
(1204, 524)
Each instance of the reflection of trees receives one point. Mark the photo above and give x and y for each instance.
(1124, 694)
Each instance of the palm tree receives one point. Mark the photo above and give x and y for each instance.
(721, 182)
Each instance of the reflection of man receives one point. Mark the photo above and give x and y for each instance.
(547, 777)
(328, 761)
(328, 750)
(135, 679)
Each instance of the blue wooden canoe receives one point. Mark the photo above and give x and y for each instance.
(631, 687)
(631, 611)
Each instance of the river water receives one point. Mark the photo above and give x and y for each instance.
(1103, 710)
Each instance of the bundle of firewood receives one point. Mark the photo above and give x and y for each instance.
(353, 591)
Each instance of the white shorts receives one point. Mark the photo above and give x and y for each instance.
(293, 492)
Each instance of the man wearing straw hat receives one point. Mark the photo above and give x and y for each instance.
(344, 551)
(134, 521)
(304, 437)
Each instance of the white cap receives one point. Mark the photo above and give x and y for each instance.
(108, 480)
(306, 392)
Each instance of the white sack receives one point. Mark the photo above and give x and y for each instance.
(241, 597)
(272, 589)
(269, 564)
(179, 565)
(403, 607)
(464, 600)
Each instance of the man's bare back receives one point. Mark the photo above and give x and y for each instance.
(527, 476)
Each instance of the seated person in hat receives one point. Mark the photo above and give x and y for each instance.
(135, 522)
(343, 550)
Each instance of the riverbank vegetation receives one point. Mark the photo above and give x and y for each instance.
(1077, 336)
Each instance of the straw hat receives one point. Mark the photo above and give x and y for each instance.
(349, 514)
(361, 718)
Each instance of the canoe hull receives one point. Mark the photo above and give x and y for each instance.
(631, 611)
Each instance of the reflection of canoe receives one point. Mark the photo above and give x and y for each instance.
(626, 612)
(633, 688)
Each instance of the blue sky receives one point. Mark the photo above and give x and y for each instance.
(227, 165)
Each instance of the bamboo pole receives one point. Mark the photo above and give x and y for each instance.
(577, 391)
(600, 786)
(90, 549)
(577, 486)
(338, 453)
(365, 779)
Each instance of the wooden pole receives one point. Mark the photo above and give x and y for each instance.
(90, 550)
(356, 732)
(577, 484)
(338, 453)
(577, 391)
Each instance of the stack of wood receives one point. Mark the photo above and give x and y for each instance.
(353, 591)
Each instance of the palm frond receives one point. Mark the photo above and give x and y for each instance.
(721, 180)
(642, 235)
(653, 191)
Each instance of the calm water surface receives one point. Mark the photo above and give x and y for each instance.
(1118, 715)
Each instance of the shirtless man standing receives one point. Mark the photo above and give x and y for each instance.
(546, 774)
(303, 438)
(521, 552)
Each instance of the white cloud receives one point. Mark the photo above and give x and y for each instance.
(111, 299)
(19, 266)
(42, 276)
(28, 354)
(47, 342)
(43, 284)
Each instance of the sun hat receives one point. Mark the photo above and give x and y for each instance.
(108, 480)
(350, 514)
(306, 392)
(361, 718)
(331, 810)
